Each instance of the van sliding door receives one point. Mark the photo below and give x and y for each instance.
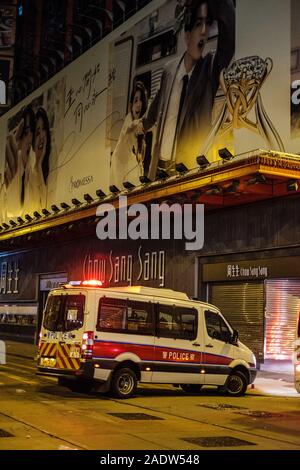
(178, 354)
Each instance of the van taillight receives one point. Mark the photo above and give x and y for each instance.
(87, 345)
(40, 340)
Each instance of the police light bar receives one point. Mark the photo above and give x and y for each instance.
(92, 283)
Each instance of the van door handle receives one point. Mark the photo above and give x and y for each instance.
(196, 344)
(209, 345)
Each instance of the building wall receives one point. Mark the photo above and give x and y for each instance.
(236, 233)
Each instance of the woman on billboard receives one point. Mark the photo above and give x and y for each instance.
(17, 157)
(128, 156)
(27, 165)
(35, 190)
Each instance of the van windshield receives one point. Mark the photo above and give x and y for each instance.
(64, 312)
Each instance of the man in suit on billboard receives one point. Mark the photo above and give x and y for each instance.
(182, 107)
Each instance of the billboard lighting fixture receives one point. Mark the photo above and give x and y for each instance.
(64, 206)
(127, 185)
(113, 189)
(5, 226)
(54, 208)
(202, 162)
(181, 168)
(76, 202)
(195, 196)
(100, 194)
(225, 154)
(88, 198)
(214, 191)
(20, 220)
(12, 223)
(37, 215)
(45, 212)
(257, 179)
(292, 185)
(162, 174)
(233, 187)
(144, 179)
(28, 218)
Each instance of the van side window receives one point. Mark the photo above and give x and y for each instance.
(125, 316)
(215, 326)
(112, 315)
(177, 322)
(140, 318)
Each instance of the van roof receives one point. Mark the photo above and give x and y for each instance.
(168, 294)
(151, 291)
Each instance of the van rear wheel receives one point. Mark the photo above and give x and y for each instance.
(191, 388)
(123, 383)
(237, 384)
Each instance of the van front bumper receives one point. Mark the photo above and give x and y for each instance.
(253, 374)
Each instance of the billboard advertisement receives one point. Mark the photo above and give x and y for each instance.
(180, 79)
(8, 19)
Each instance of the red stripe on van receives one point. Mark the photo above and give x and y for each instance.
(110, 350)
(214, 359)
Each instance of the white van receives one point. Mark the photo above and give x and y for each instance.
(121, 336)
(297, 356)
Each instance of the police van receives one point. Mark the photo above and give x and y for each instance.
(113, 338)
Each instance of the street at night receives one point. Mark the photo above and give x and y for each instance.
(150, 233)
(39, 414)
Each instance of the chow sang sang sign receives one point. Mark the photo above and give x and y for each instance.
(149, 266)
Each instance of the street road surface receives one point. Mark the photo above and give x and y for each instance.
(37, 414)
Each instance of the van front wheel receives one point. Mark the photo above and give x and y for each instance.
(236, 384)
(123, 383)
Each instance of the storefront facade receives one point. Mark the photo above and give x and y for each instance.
(249, 267)
(251, 271)
(28, 276)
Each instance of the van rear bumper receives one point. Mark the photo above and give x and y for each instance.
(86, 372)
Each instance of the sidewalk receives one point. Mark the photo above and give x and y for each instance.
(14, 348)
(272, 380)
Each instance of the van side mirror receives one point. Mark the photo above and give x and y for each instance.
(235, 337)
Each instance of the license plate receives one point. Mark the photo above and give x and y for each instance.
(48, 361)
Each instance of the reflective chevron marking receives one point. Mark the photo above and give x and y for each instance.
(62, 353)
(48, 349)
(64, 360)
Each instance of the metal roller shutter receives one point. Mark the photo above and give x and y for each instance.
(282, 307)
(243, 306)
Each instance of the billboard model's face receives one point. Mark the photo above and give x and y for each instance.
(40, 140)
(26, 140)
(197, 37)
(137, 105)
